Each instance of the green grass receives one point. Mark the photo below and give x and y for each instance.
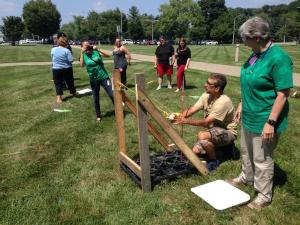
(62, 168)
(221, 54)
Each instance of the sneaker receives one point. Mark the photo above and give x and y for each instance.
(169, 86)
(212, 165)
(237, 181)
(258, 204)
(158, 88)
(98, 119)
(177, 90)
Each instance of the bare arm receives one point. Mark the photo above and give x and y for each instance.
(268, 131)
(238, 113)
(187, 64)
(155, 61)
(127, 53)
(198, 122)
(81, 61)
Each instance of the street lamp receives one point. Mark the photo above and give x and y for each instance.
(234, 28)
(152, 28)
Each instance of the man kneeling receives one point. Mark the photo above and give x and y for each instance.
(218, 119)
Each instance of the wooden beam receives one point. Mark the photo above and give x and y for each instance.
(143, 136)
(171, 132)
(131, 164)
(119, 111)
(155, 133)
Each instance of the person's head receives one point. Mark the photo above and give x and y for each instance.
(118, 42)
(255, 33)
(182, 43)
(86, 46)
(61, 34)
(215, 83)
(62, 41)
(162, 40)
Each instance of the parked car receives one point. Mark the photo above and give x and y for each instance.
(127, 42)
(211, 42)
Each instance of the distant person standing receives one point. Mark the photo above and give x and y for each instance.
(163, 62)
(62, 59)
(120, 61)
(183, 55)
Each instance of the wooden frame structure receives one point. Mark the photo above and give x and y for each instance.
(140, 110)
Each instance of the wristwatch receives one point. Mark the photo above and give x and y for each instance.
(271, 122)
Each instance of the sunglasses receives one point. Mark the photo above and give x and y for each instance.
(210, 84)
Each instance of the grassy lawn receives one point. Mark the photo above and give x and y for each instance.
(62, 168)
(221, 54)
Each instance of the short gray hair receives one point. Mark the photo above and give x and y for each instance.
(255, 27)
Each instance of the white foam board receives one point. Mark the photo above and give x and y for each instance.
(221, 195)
(84, 91)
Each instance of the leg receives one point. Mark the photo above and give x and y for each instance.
(169, 72)
(160, 73)
(124, 76)
(69, 78)
(106, 84)
(264, 166)
(95, 85)
(180, 75)
(58, 82)
(205, 145)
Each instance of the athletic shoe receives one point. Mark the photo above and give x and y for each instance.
(177, 90)
(258, 203)
(212, 165)
(158, 88)
(98, 119)
(169, 86)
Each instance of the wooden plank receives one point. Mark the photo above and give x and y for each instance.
(143, 136)
(131, 164)
(155, 133)
(170, 131)
(119, 111)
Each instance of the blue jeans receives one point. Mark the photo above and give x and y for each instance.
(95, 85)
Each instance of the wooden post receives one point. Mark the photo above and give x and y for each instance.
(143, 136)
(237, 53)
(119, 111)
(171, 132)
(155, 133)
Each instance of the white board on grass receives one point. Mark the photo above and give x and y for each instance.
(221, 195)
(84, 91)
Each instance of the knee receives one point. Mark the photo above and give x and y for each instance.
(202, 136)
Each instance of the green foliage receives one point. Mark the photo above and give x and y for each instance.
(12, 28)
(135, 28)
(41, 17)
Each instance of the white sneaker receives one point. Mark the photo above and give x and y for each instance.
(158, 88)
(177, 90)
(169, 86)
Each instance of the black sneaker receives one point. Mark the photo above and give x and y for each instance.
(212, 165)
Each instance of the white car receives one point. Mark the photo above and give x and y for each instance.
(127, 42)
(211, 42)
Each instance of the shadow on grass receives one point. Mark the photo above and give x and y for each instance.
(109, 113)
(280, 177)
(187, 87)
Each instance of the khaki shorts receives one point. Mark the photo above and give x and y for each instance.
(221, 137)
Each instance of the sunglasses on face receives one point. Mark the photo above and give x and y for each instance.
(210, 84)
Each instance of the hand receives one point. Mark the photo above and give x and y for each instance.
(268, 132)
(185, 68)
(180, 120)
(95, 48)
(237, 116)
(155, 66)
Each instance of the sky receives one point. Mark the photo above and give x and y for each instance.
(68, 8)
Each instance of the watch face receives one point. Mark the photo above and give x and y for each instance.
(272, 122)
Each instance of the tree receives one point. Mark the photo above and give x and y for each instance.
(178, 17)
(41, 17)
(135, 28)
(12, 28)
(212, 10)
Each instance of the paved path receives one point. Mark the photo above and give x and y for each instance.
(208, 67)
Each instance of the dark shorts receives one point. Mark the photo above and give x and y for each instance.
(164, 69)
(221, 137)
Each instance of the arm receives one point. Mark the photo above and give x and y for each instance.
(100, 52)
(269, 130)
(155, 61)
(187, 64)
(70, 56)
(199, 122)
(81, 61)
(238, 113)
(127, 53)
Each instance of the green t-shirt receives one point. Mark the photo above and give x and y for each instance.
(95, 67)
(272, 72)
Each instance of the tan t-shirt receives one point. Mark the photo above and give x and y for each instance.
(221, 109)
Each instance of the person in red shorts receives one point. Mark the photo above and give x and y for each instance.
(163, 61)
(183, 55)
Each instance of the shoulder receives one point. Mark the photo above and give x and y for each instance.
(279, 54)
(224, 99)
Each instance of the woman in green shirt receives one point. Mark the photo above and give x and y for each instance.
(266, 79)
(92, 59)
